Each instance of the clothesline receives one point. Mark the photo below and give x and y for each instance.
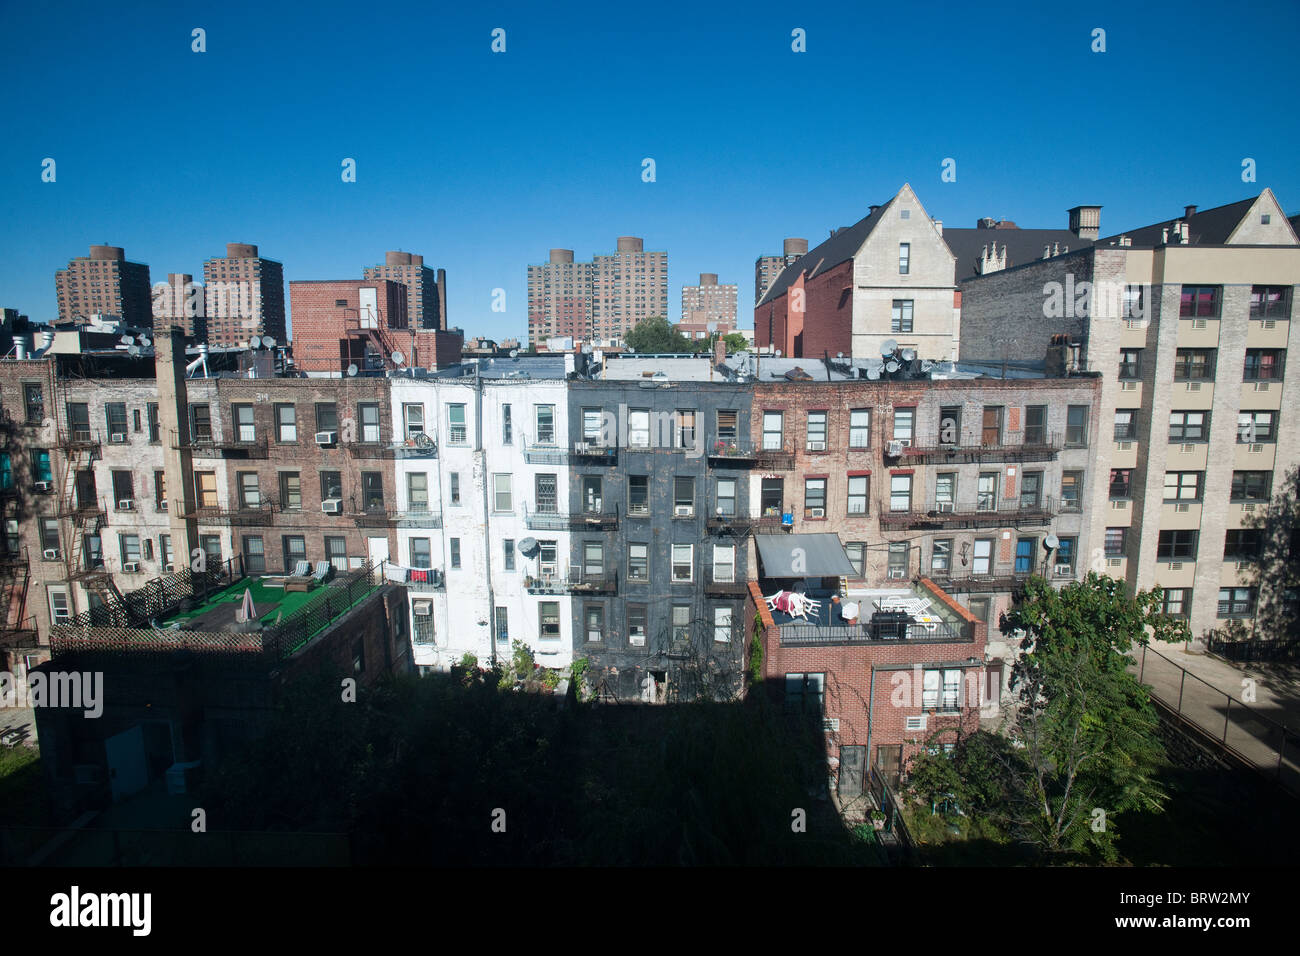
(401, 575)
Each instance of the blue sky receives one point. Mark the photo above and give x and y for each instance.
(482, 162)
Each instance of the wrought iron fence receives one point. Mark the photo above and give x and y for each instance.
(283, 639)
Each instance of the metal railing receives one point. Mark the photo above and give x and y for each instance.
(991, 512)
(159, 597)
(873, 632)
(1028, 445)
(599, 520)
(546, 520)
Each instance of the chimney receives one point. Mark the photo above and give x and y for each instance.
(1085, 221)
(938, 226)
(985, 223)
(1189, 212)
(719, 351)
(442, 299)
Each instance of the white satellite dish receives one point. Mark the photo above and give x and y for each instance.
(268, 342)
(145, 340)
(892, 366)
(127, 340)
(630, 350)
(514, 353)
(888, 347)
(777, 353)
(839, 355)
(873, 373)
(1051, 542)
(255, 342)
(133, 350)
(398, 358)
(909, 354)
(352, 369)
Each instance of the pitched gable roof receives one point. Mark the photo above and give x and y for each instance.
(1022, 245)
(1211, 227)
(840, 247)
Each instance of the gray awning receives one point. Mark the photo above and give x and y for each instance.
(803, 556)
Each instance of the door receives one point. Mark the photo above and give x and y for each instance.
(889, 763)
(87, 495)
(377, 550)
(853, 761)
(127, 768)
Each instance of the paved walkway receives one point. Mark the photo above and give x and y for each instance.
(1217, 696)
(22, 719)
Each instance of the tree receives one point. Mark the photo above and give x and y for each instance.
(735, 341)
(1084, 731)
(655, 335)
(1277, 567)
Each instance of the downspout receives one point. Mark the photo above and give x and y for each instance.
(480, 452)
(871, 706)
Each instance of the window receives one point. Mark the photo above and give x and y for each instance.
(1189, 426)
(728, 425)
(200, 423)
(1264, 365)
(638, 494)
(545, 488)
(1243, 544)
(417, 491)
(681, 623)
(250, 495)
(986, 492)
(1236, 602)
(950, 425)
(245, 429)
(508, 553)
(548, 620)
(945, 491)
(60, 609)
(857, 552)
(295, 550)
(1025, 548)
(453, 545)
(1130, 364)
(858, 487)
(860, 428)
(331, 485)
(1121, 480)
(327, 417)
(1177, 545)
(1065, 551)
(900, 492)
(1031, 489)
(817, 431)
(904, 419)
(336, 552)
(1193, 365)
(722, 625)
(1183, 485)
(638, 561)
(503, 625)
(1176, 602)
(683, 495)
(286, 423)
(502, 498)
(115, 416)
(205, 488)
(160, 490)
(814, 498)
(254, 553)
(941, 555)
(123, 489)
(724, 563)
(638, 428)
(636, 624)
(773, 430)
(1035, 424)
(593, 560)
(507, 425)
(545, 424)
(685, 428)
(155, 425)
(772, 496)
(457, 433)
(1199, 301)
(290, 491)
(900, 317)
(726, 497)
(79, 421)
(1076, 425)
(898, 559)
(941, 689)
(372, 490)
(1256, 427)
(1126, 424)
(130, 547)
(49, 533)
(421, 553)
(804, 693)
(1270, 302)
(991, 427)
(904, 257)
(369, 413)
(594, 617)
(1251, 485)
(683, 563)
(34, 404)
(982, 559)
(453, 487)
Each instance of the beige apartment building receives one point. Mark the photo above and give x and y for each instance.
(708, 304)
(1190, 322)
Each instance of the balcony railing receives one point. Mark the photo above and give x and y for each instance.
(724, 582)
(417, 518)
(421, 445)
(376, 517)
(999, 513)
(545, 520)
(79, 438)
(233, 448)
(376, 449)
(545, 454)
(778, 458)
(594, 520)
(731, 452)
(885, 633)
(544, 583)
(591, 450)
(582, 581)
(730, 524)
(1032, 445)
(966, 581)
(258, 515)
(768, 523)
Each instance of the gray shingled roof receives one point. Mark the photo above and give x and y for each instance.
(840, 247)
(1022, 245)
(1211, 227)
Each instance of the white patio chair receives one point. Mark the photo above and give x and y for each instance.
(302, 569)
(323, 569)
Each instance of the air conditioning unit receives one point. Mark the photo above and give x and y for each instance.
(1114, 562)
(1193, 386)
(1198, 323)
(944, 507)
(683, 511)
(1242, 566)
(126, 504)
(1182, 508)
(1269, 323)
(41, 486)
(1118, 504)
(1175, 565)
(895, 449)
(831, 723)
(169, 568)
(582, 448)
(422, 608)
(332, 506)
(915, 723)
(1261, 386)
(816, 512)
(118, 438)
(327, 438)
(898, 572)
(1247, 507)
(1187, 446)
(162, 505)
(1124, 445)
(1064, 569)
(1256, 449)
(51, 554)
(131, 566)
(816, 446)
(1128, 387)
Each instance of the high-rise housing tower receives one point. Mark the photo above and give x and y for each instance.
(243, 296)
(426, 291)
(105, 283)
(767, 268)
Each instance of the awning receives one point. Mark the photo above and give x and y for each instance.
(803, 556)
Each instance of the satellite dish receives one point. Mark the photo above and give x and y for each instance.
(892, 366)
(528, 544)
(268, 342)
(145, 340)
(255, 342)
(926, 365)
(352, 369)
(909, 354)
(133, 350)
(839, 355)
(630, 350)
(127, 340)
(1051, 542)
(778, 353)
(514, 353)
(873, 373)
(398, 358)
(888, 347)
(712, 326)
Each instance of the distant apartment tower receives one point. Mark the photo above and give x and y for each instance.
(426, 291)
(598, 301)
(767, 268)
(705, 304)
(169, 306)
(104, 282)
(243, 297)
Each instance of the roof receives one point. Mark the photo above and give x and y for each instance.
(803, 556)
(840, 247)
(1022, 245)
(1211, 227)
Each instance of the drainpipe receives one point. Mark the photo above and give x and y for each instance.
(871, 705)
(481, 454)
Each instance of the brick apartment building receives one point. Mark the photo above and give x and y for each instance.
(767, 268)
(243, 297)
(426, 291)
(105, 283)
(707, 304)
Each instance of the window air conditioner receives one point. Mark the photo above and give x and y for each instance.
(51, 554)
(131, 566)
(126, 504)
(118, 438)
(332, 506)
(898, 572)
(945, 506)
(42, 486)
(816, 446)
(816, 512)
(683, 511)
(327, 438)
(1064, 569)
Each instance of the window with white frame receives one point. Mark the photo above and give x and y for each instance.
(413, 417)
(724, 563)
(858, 488)
(683, 563)
(773, 429)
(417, 491)
(457, 430)
(545, 424)
(900, 492)
(722, 625)
(502, 497)
(638, 428)
(817, 431)
(860, 428)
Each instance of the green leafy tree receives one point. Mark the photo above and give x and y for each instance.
(655, 335)
(1276, 572)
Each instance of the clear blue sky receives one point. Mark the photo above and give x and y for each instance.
(482, 161)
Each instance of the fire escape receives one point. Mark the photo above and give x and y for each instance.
(368, 331)
(79, 502)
